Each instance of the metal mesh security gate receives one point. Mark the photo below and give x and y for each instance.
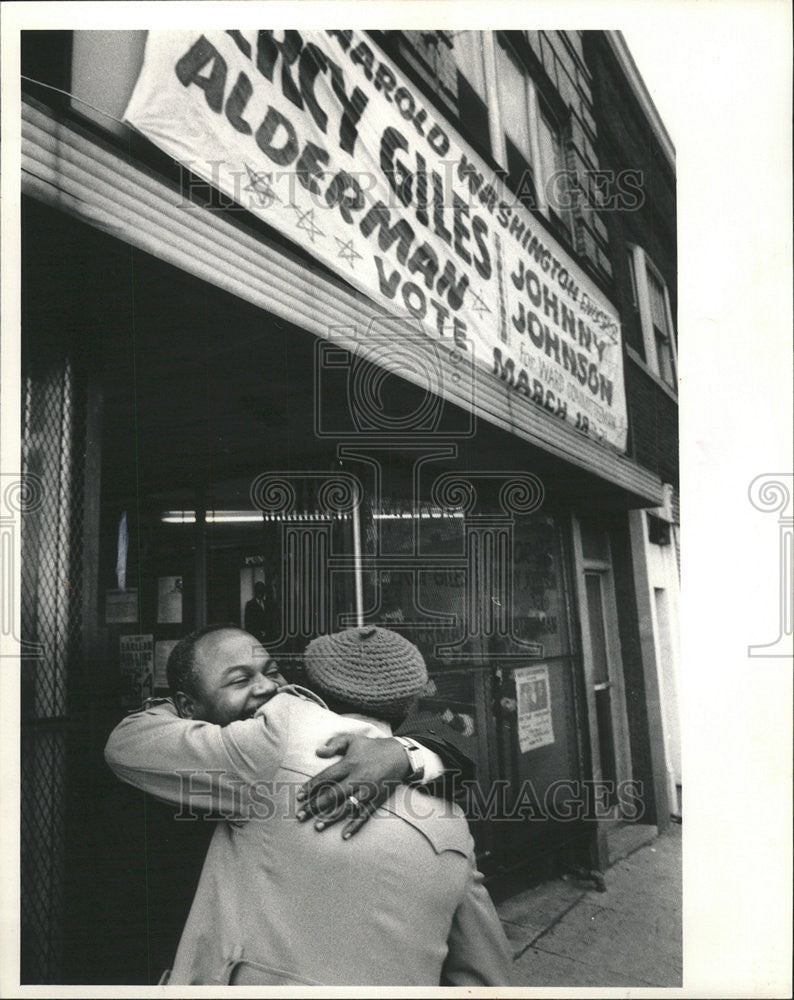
(52, 550)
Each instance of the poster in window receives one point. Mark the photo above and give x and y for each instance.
(136, 659)
(534, 707)
(169, 600)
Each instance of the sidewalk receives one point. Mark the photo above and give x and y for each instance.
(565, 933)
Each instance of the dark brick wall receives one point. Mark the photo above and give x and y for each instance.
(653, 419)
(626, 143)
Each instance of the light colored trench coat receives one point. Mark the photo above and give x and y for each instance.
(400, 904)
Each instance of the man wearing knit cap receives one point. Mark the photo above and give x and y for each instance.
(401, 904)
(369, 669)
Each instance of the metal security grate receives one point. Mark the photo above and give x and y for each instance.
(43, 844)
(51, 549)
(52, 536)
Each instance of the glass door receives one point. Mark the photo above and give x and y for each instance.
(603, 667)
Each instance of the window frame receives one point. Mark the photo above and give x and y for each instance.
(488, 77)
(640, 265)
(536, 108)
(531, 123)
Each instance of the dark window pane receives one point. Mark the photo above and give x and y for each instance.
(606, 742)
(520, 176)
(658, 531)
(594, 543)
(473, 116)
(598, 642)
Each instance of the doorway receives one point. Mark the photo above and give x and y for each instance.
(603, 667)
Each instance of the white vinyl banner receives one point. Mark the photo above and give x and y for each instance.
(318, 134)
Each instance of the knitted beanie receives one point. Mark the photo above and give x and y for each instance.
(371, 669)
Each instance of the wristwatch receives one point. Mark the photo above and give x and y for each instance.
(416, 760)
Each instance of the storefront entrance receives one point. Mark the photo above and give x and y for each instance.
(202, 466)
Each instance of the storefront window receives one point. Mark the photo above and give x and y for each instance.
(419, 584)
(539, 600)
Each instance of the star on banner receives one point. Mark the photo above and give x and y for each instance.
(306, 222)
(478, 305)
(347, 252)
(260, 187)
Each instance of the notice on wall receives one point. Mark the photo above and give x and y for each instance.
(121, 606)
(162, 650)
(169, 600)
(136, 659)
(533, 699)
(320, 135)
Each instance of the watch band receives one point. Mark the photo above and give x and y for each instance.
(416, 760)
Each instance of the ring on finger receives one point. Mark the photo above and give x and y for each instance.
(357, 805)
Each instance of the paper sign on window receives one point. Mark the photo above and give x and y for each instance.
(162, 650)
(136, 655)
(533, 699)
(169, 599)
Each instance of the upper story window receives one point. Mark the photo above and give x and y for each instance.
(469, 54)
(531, 139)
(517, 114)
(452, 64)
(502, 112)
(552, 159)
(652, 301)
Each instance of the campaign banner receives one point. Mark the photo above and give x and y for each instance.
(321, 136)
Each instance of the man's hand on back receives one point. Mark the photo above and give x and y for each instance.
(369, 771)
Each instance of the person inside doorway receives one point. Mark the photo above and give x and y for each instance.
(402, 905)
(259, 617)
